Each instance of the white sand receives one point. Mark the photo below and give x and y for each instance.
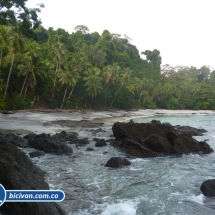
(23, 122)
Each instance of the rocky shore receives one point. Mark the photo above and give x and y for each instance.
(135, 139)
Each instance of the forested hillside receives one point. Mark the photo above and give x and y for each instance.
(54, 69)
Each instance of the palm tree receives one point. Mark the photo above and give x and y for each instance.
(93, 82)
(16, 44)
(125, 80)
(4, 34)
(68, 77)
(79, 61)
(111, 73)
(28, 65)
(145, 85)
(59, 54)
(24, 69)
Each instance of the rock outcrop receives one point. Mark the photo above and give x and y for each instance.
(17, 172)
(156, 139)
(49, 144)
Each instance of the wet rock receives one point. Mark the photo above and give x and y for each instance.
(82, 142)
(7, 112)
(89, 149)
(155, 139)
(63, 136)
(117, 162)
(138, 150)
(208, 188)
(158, 144)
(190, 130)
(36, 154)
(19, 173)
(184, 145)
(47, 143)
(73, 124)
(15, 140)
(100, 143)
(95, 131)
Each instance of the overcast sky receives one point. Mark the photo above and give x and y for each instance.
(182, 30)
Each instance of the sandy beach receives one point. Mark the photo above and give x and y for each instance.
(33, 121)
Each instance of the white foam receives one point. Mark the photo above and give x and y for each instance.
(124, 208)
(198, 199)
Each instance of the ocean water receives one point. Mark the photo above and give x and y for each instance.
(162, 185)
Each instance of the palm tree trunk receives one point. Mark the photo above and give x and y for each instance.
(24, 84)
(1, 57)
(56, 71)
(8, 78)
(86, 103)
(70, 93)
(115, 95)
(26, 87)
(34, 100)
(64, 97)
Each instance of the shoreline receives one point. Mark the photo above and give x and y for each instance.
(27, 121)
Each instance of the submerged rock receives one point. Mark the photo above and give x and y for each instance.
(156, 139)
(36, 154)
(19, 173)
(208, 188)
(117, 162)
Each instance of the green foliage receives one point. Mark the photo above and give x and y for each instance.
(172, 103)
(18, 102)
(83, 68)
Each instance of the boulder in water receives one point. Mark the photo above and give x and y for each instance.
(117, 162)
(208, 188)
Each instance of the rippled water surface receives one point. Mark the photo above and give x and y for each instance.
(163, 185)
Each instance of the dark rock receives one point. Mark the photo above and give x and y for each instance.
(118, 143)
(95, 131)
(110, 140)
(136, 149)
(15, 140)
(7, 112)
(19, 173)
(104, 153)
(70, 137)
(96, 139)
(155, 139)
(101, 143)
(190, 130)
(117, 162)
(47, 143)
(89, 149)
(208, 188)
(157, 122)
(36, 154)
(73, 124)
(184, 145)
(158, 144)
(82, 142)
